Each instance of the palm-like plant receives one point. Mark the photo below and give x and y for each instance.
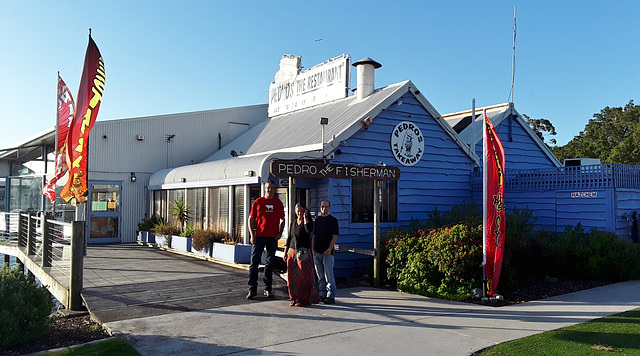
(181, 212)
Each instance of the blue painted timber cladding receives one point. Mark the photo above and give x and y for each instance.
(439, 180)
(520, 150)
(592, 213)
(627, 202)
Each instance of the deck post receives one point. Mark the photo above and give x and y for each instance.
(377, 265)
(77, 254)
(46, 242)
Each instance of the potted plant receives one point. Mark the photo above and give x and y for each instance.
(164, 233)
(184, 240)
(181, 212)
(231, 250)
(145, 229)
(203, 240)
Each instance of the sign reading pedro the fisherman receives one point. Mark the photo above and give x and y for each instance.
(316, 169)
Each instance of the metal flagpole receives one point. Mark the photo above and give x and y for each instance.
(513, 56)
(484, 203)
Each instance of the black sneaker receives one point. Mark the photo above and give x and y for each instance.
(251, 295)
(269, 294)
(329, 301)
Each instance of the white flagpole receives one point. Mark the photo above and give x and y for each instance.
(484, 201)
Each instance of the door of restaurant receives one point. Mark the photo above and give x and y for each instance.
(104, 215)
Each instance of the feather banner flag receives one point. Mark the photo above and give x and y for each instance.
(493, 198)
(66, 108)
(89, 98)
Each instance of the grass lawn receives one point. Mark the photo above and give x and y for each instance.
(613, 335)
(115, 346)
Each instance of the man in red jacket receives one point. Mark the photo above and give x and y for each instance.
(266, 222)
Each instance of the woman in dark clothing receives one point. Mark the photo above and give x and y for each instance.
(299, 261)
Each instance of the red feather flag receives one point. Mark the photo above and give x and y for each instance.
(494, 223)
(66, 108)
(89, 98)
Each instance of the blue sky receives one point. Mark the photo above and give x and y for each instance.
(573, 58)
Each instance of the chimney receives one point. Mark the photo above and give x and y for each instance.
(366, 82)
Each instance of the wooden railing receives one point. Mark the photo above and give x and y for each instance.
(53, 251)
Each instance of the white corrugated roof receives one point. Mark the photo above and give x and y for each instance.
(297, 135)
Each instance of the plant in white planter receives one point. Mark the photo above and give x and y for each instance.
(230, 250)
(164, 234)
(184, 240)
(203, 240)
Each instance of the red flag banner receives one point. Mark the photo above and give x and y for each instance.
(495, 216)
(66, 108)
(89, 98)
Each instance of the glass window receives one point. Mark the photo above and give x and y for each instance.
(238, 214)
(104, 226)
(26, 193)
(196, 205)
(218, 217)
(173, 196)
(105, 197)
(362, 201)
(160, 203)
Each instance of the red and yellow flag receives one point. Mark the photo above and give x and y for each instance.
(494, 207)
(89, 98)
(66, 108)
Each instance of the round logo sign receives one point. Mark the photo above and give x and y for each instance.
(407, 143)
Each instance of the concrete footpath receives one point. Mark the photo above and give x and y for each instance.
(365, 321)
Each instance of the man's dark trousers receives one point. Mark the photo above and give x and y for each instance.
(262, 242)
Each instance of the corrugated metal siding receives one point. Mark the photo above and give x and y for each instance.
(115, 151)
(440, 179)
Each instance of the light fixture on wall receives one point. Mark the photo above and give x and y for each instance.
(324, 121)
(133, 177)
(182, 180)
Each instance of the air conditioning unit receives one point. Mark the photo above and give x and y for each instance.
(572, 162)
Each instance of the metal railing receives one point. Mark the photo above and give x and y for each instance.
(53, 251)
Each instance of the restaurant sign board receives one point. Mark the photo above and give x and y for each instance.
(319, 169)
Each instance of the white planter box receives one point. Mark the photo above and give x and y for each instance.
(162, 240)
(206, 251)
(232, 253)
(181, 243)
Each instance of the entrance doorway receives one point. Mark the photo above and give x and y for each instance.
(104, 215)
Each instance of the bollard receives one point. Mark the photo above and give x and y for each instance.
(75, 276)
(47, 242)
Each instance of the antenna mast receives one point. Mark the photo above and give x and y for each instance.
(513, 57)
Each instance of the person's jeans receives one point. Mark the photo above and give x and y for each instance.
(270, 244)
(324, 271)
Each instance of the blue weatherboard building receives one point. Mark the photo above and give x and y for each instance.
(343, 141)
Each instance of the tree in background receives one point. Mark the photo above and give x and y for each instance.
(541, 127)
(613, 136)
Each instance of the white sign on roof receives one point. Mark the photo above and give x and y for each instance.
(294, 89)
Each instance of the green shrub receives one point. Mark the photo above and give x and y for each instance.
(148, 224)
(466, 213)
(24, 308)
(440, 263)
(188, 231)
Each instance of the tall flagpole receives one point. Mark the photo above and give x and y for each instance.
(485, 176)
(513, 56)
(55, 152)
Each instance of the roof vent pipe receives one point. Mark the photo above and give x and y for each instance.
(366, 78)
